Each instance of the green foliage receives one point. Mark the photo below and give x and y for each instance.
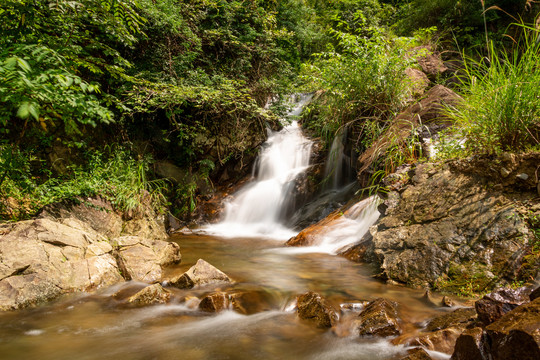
(364, 84)
(114, 175)
(500, 110)
(37, 85)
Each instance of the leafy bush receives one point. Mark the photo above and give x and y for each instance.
(500, 110)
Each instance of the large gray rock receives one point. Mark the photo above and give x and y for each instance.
(68, 249)
(448, 226)
(202, 273)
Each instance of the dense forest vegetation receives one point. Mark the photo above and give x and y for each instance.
(97, 94)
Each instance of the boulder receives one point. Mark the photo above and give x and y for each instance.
(215, 302)
(313, 307)
(441, 333)
(150, 295)
(202, 273)
(516, 335)
(494, 305)
(379, 318)
(432, 64)
(419, 81)
(74, 247)
(448, 227)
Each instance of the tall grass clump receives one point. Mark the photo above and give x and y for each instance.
(500, 110)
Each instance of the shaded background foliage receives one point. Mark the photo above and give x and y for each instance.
(187, 81)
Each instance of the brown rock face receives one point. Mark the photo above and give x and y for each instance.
(379, 318)
(448, 224)
(214, 302)
(153, 294)
(494, 305)
(202, 273)
(313, 307)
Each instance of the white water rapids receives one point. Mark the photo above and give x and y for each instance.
(255, 210)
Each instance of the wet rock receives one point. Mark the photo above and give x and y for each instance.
(311, 234)
(457, 318)
(516, 335)
(379, 318)
(470, 346)
(215, 302)
(202, 273)
(313, 307)
(150, 295)
(417, 354)
(494, 305)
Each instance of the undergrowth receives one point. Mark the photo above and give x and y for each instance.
(113, 174)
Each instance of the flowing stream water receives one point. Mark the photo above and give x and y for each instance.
(100, 326)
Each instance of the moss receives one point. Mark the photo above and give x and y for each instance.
(466, 279)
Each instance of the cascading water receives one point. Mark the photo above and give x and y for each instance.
(256, 209)
(343, 232)
(338, 171)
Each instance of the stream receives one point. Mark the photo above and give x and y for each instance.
(248, 245)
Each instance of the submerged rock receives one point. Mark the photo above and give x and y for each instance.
(202, 273)
(215, 302)
(494, 305)
(313, 307)
(441, 333)
(153, 294)
(379, 318)
(417, 354)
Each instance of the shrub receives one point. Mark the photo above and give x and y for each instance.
(500, 110)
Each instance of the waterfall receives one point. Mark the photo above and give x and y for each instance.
(255, 210)
(339, 171)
